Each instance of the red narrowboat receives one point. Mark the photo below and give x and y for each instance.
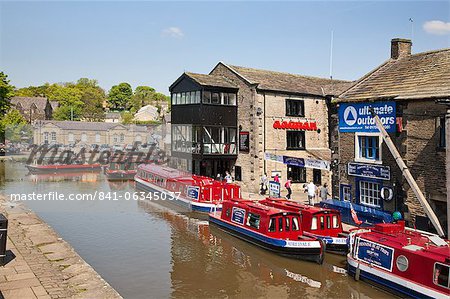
(404, 261)
(271, 228)
(317, 222)
(63, 168)
(192, 192)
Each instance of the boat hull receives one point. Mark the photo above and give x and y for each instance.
(314, 254)
(185, 203)
(389, 282)
(42, 169)
(120, 176)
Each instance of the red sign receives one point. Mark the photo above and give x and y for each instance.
(295, 125)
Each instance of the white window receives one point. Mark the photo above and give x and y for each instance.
(122, 137)
(369, 193)
(138, 138)
(116, 138)
(53, 136)
(84, 137)
(97, 137)
(314, 223)
(70, 137)
(368, 147)
(46, 137)
(335, 221)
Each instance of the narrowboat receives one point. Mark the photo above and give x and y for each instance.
(404, 261)
(191, 192)
(119, 169)
(271, 228)
(63, 168)
(317, 222)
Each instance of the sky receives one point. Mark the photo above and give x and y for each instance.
(153, 43)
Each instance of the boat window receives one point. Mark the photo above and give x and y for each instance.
(272, 225)
(328, 222)
(294, 223)
(253, 220)
(322, 224)
(280, 224)
(288, 225)
(440, 276)
(314, 223)
(335, 221)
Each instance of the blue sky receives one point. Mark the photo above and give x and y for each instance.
(152, 43)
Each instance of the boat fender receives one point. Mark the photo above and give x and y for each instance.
(357, 273)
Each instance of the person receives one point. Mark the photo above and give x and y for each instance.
(312, 189)
(288, 188)
(263, 184)
(276, 179)
(228, 177)
(323, 192)
(219, 177)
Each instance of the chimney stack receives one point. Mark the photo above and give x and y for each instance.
(400, 48)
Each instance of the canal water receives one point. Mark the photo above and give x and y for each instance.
(145, 250)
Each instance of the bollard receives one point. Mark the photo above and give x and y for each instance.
(3, 238)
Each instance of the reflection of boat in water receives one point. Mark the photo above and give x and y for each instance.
(63, 168)
(123, 169)
(60, 177)
(274, 229)
(192, 192)
(317, 222)
(405, 261)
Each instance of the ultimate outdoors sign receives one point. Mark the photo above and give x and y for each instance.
(356, 117)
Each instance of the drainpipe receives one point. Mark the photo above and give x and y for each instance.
(264, 132)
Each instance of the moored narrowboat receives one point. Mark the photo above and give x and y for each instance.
(404, 261)
(191, 192)
(317, 222)
(63, 168)
(271, 228)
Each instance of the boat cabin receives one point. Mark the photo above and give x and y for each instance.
(315, 220)
(195, 187)
(270, 221)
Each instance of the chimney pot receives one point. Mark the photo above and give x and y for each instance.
(400, 48)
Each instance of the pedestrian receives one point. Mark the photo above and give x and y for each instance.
(288, 188)
(323, 192)
(228, 177)
(312, 189)
(263, 184)
(276, 179)
(219, 177)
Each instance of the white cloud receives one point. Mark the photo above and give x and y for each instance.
(173, 32)
(437, 27)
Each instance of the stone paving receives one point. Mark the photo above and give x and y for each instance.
(41, 265)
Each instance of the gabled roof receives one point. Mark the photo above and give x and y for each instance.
(419, 76)
(27, 102)
(286, 82)
(81, 125)
(205, 80)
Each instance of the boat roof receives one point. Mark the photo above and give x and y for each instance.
(397, 236)
(295, 206)
(175, 174)
(270, 211)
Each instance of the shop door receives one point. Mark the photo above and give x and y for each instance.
(317, 176)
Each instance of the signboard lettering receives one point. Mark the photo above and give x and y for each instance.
(369, 171)
(274, 189)
(356, 117)
(295, 125)
(375, 254)
(193, 192)
(238, 215)
(244, 142)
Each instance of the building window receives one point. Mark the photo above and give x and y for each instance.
(369, 194)
(297, 173)
(97, 137)
(346, 192)
(295, 140)
(53, 136)
(441, 142)
(207, 97)
(138, 138)
(115, 138)
(215, 98)
(83, 137)
(122, 137)
(70, 138)
(295, 107)
(368, 148)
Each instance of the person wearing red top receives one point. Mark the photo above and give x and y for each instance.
(288, 188)
(276, 178)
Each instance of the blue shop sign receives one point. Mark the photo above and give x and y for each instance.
(193, 192)
(294, 161)
(238, 215)
(356, 117)
(375, 254)
(369, 171)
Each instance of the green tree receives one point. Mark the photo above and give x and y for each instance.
(119, 96)
(14, 126)
(143, 95)
(6, 92)
(127, 118)
(93, 99)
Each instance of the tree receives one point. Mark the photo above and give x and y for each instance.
(14, 126)
(6, 92)
(92, 109)
(127, 118)
(143, 95)
(119, 96)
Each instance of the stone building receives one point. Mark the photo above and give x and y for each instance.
(260, 121)
(404, 90)
(87, 133)
(34, 108)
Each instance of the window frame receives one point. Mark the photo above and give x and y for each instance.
(358, 149)
(441, 143)
(291, 173)
(302, 146)
(299, 103)
(360, 196)
(448, 277)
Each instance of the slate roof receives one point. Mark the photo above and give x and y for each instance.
(26, 102)
(81, 125)
(418, 76)
(210, 80)
(292, 83)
